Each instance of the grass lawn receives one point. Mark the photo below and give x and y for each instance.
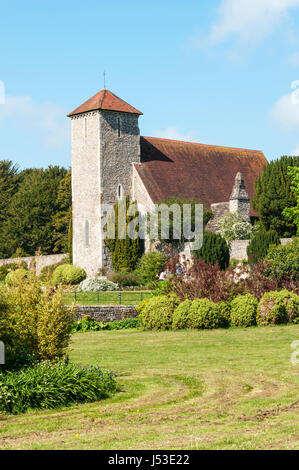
(107, 298)
(221, 389)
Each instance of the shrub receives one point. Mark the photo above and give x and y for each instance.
(243, 310)
(46, 386)
(149, 266)
(214, 250)
(291, 303)
(7, 268)
(97, 285)
(284, 261)
(68, 274)
(47, 272)
(14, 277)
(87, 324)
(224, 309)
(271, 310)
(180, 316)
(125, 279)
(259, 245)
(204, 314)
(33, 322)
(235, 227)
(157, 313)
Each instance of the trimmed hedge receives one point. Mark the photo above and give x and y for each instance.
(157, 313)
(14, 277)
(68, 274)
(271, 309)
(291, 303)
(180, 316)
(204, 314)
(243, 310)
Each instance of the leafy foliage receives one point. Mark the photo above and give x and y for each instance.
(62, 219)
(68, 274)
(34, 321)
(173, 240)
(149, 266)
(283, 261)
(157, 312)
(17, 276)
(180, 316)
(235, 227)
(259, 245)
(204, 314)
(271, 310)
(214, 250)
(125, 279)
(292, 213)
(243, 310)
(46, 386)
(87, 324)
(125, 250)
(273, 194)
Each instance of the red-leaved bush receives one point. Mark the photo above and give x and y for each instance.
(200, 280)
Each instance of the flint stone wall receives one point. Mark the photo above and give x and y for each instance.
(106, 313)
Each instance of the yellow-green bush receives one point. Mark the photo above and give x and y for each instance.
(224, 309)
(34, 321)
(13, 277)
(271, 309)
(204, 314)
(243, 310)
(180, 316)
(291, 303)
(157, 313)
(68, 274)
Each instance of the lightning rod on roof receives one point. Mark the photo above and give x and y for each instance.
(104, 80)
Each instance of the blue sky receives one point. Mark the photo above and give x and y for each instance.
(212, 71)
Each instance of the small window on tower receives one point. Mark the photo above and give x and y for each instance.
(118, 127)
(86, 233)
(119, 192)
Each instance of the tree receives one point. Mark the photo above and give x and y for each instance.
(292, 213)
(259, 245)
(273, 194)
(175, 238)
(125, 250)
(29, 223)
(62, 219)
(214, 250)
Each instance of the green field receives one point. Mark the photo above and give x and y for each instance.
(220, 389)
(107, 298)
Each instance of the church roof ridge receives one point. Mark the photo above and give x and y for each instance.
(207, 146)
(105, 100)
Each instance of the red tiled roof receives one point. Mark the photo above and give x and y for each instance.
(105, 99)
(205, 172)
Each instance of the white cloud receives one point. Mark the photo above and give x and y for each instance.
(295, 151)
(249, 21)
(286, 111)
(172, 132)
(47, 120)
(293, 59)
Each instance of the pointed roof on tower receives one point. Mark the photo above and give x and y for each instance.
(106, 100)
(239, 189)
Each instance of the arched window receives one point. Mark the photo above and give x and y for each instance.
(86, 233)
(118, 127)
(119, 192)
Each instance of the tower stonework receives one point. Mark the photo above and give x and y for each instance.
(105, 145)
(239, 201)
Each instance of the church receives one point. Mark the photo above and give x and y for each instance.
(110, 160)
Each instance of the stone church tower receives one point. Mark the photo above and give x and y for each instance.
(105, 145)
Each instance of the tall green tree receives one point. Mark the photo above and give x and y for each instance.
(29, 222)
(125, 250)
(8, 185)
(63, 217)
(292, 213)
(273, 194)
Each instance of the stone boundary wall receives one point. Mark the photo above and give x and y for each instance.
(36, 263)
(106, 313)
(239, 248)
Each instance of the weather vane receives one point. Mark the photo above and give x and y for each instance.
(105, 80)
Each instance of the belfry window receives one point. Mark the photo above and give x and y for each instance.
(86, 233)
(118, 127)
